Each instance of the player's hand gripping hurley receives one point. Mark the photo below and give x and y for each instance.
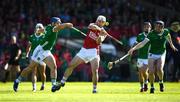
(111, 64)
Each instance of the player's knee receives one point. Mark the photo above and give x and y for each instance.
(151, 72)
(140, 70)
(44, 75)
(94, 74)
(159, 70)
(55, 67)
(33, 74)
(72, 66)
(70, 69)
(95, 71)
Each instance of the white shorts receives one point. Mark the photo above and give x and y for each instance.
(141, 62)
(88, 54)
(40, 54)
(41, 62)
(159, 56)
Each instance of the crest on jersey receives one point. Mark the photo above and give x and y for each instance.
(92, 35)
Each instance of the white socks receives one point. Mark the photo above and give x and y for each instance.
(146, 82)
(34, 86)
(160, 81)
(94, 87)
(63, 80)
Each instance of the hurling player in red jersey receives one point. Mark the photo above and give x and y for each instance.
(89, 52)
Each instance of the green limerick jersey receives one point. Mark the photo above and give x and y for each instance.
(142, 52)
(158, 41)
(50, 38)
(35, 41)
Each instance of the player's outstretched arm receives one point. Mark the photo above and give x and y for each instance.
(18, 54)
(28, 48)
(102, 36)
(62, 26)
(138, 46)
(100, 39)
(170, 42)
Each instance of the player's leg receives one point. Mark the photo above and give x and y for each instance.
(15, 71)
(160, 72)
(8, 73)
(42, 69)
(18, 70)
(174, 70)
(34, 78)
(141, 78)
(73, 64)
(176, 63)
(23, 74)
(95, 76)
(51, 63)
(145, 76)
(17, 67)
(28, 69)
(151, 64)
(140, 74)
(178, 77)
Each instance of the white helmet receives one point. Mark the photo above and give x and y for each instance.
(39, 25)
(101, 18)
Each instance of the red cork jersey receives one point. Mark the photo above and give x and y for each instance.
(90, 40)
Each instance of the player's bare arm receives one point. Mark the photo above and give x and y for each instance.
(93, 26)
(28, 48)
(170, 42)
(103, 34)
(62, 26)
(138, 46)
(18, 55)
(101, 38)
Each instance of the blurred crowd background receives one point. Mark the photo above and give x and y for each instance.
(19, 17)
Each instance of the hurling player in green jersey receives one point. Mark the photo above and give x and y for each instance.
(34, 41)
(43, 52)
(142, 59)
(157, 39)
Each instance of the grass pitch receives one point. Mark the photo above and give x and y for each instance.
(82, 92)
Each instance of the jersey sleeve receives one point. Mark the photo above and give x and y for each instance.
(138, 38)
(48, 30)
(166, 32)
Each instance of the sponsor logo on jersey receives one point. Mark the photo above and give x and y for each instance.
(92, 35)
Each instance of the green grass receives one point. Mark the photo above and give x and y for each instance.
(82, 92)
